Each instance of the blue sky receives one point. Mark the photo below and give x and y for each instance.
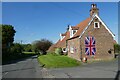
(36, 20)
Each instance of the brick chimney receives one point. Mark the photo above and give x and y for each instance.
(94, 9)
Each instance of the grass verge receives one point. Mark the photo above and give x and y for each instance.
(56, 61)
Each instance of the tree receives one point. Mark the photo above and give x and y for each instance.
(116, 48)
(27, 47)
(8, 33)
(16, 48)
(42, 45)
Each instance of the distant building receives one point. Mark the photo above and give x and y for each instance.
(91, 38)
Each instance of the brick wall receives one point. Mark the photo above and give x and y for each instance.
(74, 43)
(104, 42)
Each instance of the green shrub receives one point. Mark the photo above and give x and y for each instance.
(16, 48)
(58, 51)
(116, 48)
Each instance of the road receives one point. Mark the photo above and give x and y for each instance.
(106, 69)
(30, 68)
(94, 70)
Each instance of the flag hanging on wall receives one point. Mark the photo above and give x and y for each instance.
(90, 46)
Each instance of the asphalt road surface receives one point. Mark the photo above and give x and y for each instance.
(29, 68)
(94, 70)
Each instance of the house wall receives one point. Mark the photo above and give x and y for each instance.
(104, 42)
(75, 44)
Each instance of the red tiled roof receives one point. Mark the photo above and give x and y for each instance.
(52, 48)
(62, 43)
(80, 27)
(64, 34)
(75, 28)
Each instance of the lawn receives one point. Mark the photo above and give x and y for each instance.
(56, 61)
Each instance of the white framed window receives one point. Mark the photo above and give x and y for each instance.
(71, 49)
(96, 25)
(61, 37)
(72, 32)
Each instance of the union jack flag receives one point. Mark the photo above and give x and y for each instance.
(90, 46)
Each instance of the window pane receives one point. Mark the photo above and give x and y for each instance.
(96, 25)
(74, 31)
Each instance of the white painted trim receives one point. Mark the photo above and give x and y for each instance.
(71, 33)
(98, 25)
(61, 37)
(87, 26)
(105, 25)
(95, 15)
(70, 28)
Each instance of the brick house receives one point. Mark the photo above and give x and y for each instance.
(72, 41)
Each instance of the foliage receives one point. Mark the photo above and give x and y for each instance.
(16, 48)
(16, 53)
(51, 61)
(27, 47)
(41, 45)
(0, 34)
(58, 51)
(117, 48)
(10, 50)
(8, 33)
(17, 57)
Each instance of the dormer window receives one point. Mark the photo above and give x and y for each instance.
(74, 31)
(62, 37)
(96, 25)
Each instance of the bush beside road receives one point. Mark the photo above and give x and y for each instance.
(10, 58)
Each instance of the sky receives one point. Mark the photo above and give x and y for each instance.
(36, 20)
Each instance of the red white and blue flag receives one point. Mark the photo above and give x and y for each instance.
(90, 46)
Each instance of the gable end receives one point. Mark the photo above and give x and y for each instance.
(96, 16)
